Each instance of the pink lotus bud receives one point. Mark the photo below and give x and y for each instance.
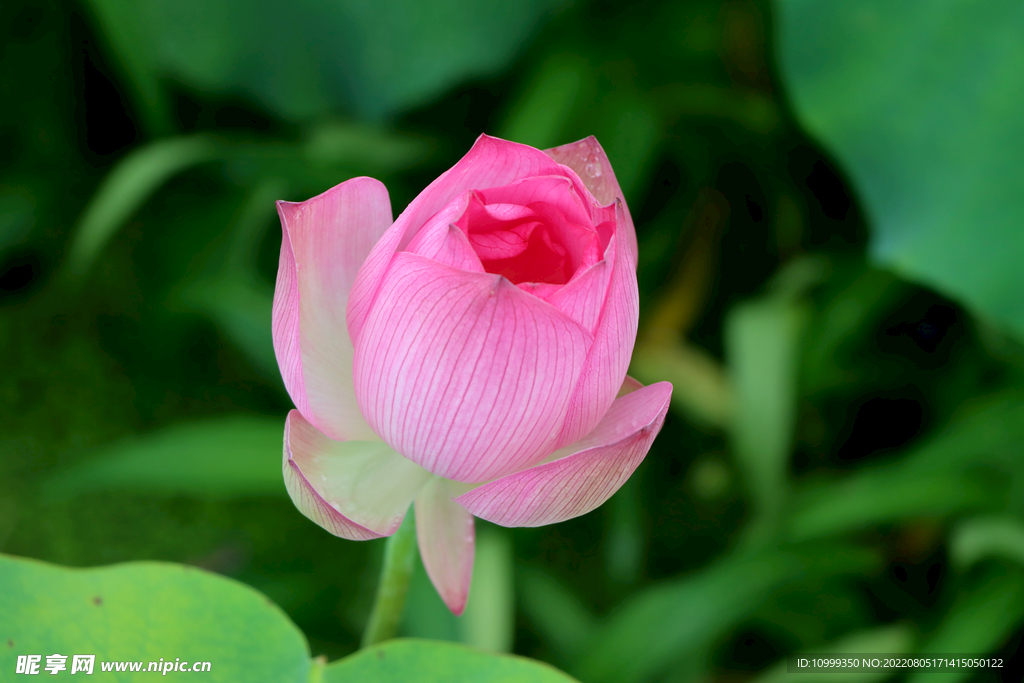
(470, 356)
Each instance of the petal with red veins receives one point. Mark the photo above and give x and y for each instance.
(464, 373)
(325, 241)
(491, 162)
(576, 484)
(558, 191)
(614, 337)
(588, 160)
(446, 244)
(584, 296)
(446, 538)
(354, 489)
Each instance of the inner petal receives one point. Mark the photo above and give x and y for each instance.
(531, 243)
(526, 253)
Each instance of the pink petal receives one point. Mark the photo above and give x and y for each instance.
(554, 190)
(448, 245)
(583, 297)
(490, 163)
(446, 537)
(464, 373)
(588, 160)
(576, 484)
(324, 242)
(614, 337)
(354, 489)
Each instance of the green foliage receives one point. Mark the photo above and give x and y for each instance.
(557, 614)
(236, 456)
(883, 639)
(981, 617)
(371, 58)
(489, 620)
(980, 538)
(921, 104)
(676, 620)
(763, 342)
(137, 177)
(963, 469)
(398, 661)
(148, 611)
(841, 466)
(152, 611)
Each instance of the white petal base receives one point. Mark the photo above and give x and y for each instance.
(354, 489)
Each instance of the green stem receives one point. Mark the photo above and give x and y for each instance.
(399, 559)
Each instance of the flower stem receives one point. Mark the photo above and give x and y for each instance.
(399, 559)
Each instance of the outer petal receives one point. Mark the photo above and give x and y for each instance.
(491, 162)
(464, 373)
(447, 540)
(324, 242)
(354, 489)
(574, 485)
(614, 337)
(591, 164)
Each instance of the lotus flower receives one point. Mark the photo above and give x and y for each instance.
(469, 357)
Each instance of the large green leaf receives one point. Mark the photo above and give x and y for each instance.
(233, 456)
(425, 661)
(372, 57)
(142, 612)
(921, 103)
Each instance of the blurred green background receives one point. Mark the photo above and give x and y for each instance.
(830, 214)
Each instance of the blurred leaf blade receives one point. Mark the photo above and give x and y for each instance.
(135, 178)
(678, 619)
(243, 310)
(921, 105)
(225, 457)
(700, 389)
(558, 614)
(363, 147)
(896, 638)
(488, 622)
(963, 468)
(542, 110)
(980, 619)
(978, 538)
(763, 342)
